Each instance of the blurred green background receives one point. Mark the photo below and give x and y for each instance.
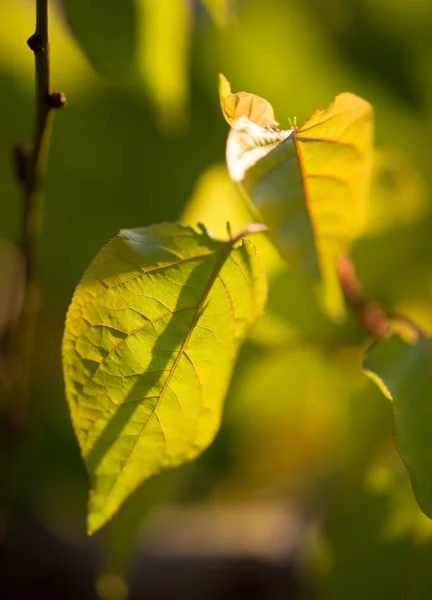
(142, 141)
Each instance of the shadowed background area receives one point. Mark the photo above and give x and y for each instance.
(302, 495)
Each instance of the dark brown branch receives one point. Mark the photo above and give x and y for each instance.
(31, 165)
(17, 341)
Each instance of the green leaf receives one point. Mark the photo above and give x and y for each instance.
(402, 370)
(107, 32)
(309, 185)
(151, 338)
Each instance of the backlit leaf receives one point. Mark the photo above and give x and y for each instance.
(150, 343)
(309, 184)
(243, 104)
(403, 371)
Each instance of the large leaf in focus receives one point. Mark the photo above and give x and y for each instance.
(149, 347)
(403, 372)
(107, 31)
(309, 184)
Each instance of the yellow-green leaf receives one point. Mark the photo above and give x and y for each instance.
(150, 342)
(309, 184)
(243, 104)
(403, 371)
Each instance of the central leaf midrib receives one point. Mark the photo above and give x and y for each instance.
(224, 253)
(308, 202)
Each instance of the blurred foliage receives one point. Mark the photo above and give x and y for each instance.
(124, 154)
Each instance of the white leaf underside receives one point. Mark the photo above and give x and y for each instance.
(248, 143)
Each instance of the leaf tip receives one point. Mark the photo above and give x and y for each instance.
(224, 86)
(95, 521)
(98, 513)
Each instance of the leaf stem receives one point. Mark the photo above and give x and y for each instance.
(369, 315)
(248, 230)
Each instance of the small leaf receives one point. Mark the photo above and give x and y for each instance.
(243, 104)
(309, 185)
(151, 338)
(403, 372)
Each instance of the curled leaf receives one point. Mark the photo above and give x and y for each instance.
(309, 185)
(243, 104)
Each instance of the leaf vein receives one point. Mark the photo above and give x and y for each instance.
(141, 328)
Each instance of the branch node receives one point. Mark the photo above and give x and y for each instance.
(56, 100)
(35, 43)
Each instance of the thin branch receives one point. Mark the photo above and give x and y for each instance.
(34, 166)
(369, 315)
(46, 102)
(16, 344)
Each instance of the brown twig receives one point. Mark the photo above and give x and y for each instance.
(16, 344)
(370, 315)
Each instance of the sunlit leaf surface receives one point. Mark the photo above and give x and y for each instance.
(242, 104)
(309, 184)
(403, 372)
(150, 343)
